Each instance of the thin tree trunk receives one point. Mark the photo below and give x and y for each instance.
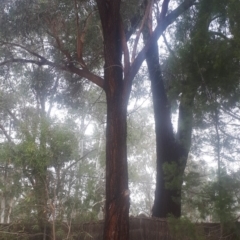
(4, 195)
(10, 207)
(41, 202)
(3, 207)
(40, 174)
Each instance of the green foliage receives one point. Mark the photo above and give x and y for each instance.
(205, 64)
(203, 61)
(184, 229)
(172, 175)
(55, 23)
(62, 143)
(206, 197)
(222, 195)
(204, 57)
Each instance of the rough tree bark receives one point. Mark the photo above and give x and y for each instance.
(117, 194)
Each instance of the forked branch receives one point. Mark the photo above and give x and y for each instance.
(81, 35)
(60, 46)
(164, 10)
(145, 17)
(125, 50)
(160, 28)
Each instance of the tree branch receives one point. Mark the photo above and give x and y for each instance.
(220, 35)
(134, 22)
(53, 91)
(161, 27)
(75, 162)
(60, 47)
(43, 61)
(13, 116)
(81, 35)
(125, 50)
(140, 29)
(230, 113)
(168, 47)
(20, 60)
(86, 74)
(6, 134)
(24, 48)
(227, 134)
(164, 10)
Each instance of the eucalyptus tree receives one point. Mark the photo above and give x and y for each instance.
(37, 142)
(202, 69)
(171, 148)
(55, 34)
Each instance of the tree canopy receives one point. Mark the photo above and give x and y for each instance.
(68, 71)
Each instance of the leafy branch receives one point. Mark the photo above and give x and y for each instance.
(43, 61)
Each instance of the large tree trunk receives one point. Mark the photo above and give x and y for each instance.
(166, 199)
(171, 151)
(117, 194)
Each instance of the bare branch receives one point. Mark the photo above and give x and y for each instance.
(140, 29)
(81, 35)
(161, 27)
(6, 134)
(125, 51)
(70, 68)
(60, 46)
(20, 60)
(220, 35)
(164, 10)
(80, 39)
(230, 113)
(13, 116)
(86, 74)
(24, 48)
(53, 91)
(43, 61)
(227, 134)
(168, 47)
(75, 162)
